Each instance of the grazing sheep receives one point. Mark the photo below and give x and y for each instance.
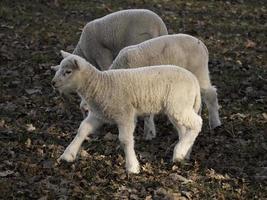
(120, 96)
(103, 38)
(181, 50)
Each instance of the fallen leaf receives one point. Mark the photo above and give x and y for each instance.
(212, 174)
(250, 44)
(84, 154)
(238, 116)
(177, 177)
(187, 194)
(2, 123)
(28, 143)
(6, 173)
(149, 197)
(33, 91)
(30, 127)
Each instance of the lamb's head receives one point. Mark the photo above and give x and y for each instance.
(68, 73)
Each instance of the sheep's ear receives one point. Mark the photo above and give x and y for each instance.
(65, 54)
(55, 68)
(75, 64)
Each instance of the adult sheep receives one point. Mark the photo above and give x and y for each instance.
(179, 49)
(120, 96)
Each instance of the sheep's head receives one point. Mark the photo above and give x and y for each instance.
(67, 74)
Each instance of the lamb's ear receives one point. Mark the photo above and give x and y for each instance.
(76, 64)
(55, 68)
(65, 54)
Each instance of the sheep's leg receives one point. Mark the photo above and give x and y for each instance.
(149, 127)
(104, 58)
(187, 136)
(183, 148)
(182, 132)
(88, 126)
(211, 101)
(126, 138)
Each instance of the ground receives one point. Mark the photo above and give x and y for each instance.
(36, 124)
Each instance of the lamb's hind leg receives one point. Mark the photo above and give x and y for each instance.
(126, 130)
(182, 132)
(211, 101)
(188, 130)
(88, 126)
(149, 127)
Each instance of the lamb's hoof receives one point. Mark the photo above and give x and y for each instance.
(214, 125)
(187, 156)
(67, 156)
(178, 159)
(149, 137)
(219, 130)
(135, 169)
(150, 134)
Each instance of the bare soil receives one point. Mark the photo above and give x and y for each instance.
(36, 124)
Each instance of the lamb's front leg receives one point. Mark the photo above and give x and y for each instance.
(88, 126)
(126, 138)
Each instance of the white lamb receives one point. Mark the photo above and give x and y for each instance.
(181, 50)
(120, 96)
(103, 38)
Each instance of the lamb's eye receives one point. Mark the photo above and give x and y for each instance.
(68, 71)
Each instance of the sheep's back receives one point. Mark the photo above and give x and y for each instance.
(149, 89)
(179, 49)
(123, 28)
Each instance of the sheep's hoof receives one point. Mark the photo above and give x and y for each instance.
(215, 124)
(178, 159)
(187, 156)
(149, 135)
(67, 156)
(133, 169)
